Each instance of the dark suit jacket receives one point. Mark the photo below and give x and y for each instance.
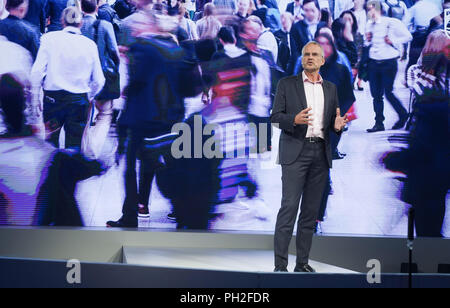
(154, 102)
(300, 34)
(37, 14)
(54, 11)
(290, 8)
(290, 99)
(287, 57)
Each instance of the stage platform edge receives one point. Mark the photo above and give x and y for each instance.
(103, 245)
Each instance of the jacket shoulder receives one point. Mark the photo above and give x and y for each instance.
(328, 83)
(288, 80)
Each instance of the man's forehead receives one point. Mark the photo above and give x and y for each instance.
(312, 48)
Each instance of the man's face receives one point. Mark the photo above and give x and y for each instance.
(286, 22)
(243, 6)
(311, 12)
(312, 58)
(373, 13)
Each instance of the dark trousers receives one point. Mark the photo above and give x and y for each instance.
(381, 80)
(334, 141)
(66, 109)
(146, 174)
(264, 130)
(305, 179)
(148, 167)
(130, 204)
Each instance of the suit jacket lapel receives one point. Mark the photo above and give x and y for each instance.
(326, 103)
(301, 92)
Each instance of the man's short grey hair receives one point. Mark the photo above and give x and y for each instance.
(71, 16)
(313, 43)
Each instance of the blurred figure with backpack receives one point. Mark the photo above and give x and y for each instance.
(106, 12)
(417, 19)
(395, 9)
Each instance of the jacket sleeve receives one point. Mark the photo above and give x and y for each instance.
(279, 112)
(111, 43)
(97, 77)
(335, 105)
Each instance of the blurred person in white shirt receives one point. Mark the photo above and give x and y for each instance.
(68, 69)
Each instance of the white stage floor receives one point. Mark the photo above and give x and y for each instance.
(242, 260)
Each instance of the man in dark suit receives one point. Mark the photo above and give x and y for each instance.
(54, 11)
(154, 104)
(287, 48)
(37, 14)
(296, 9)
(305, 30)
(306, 109)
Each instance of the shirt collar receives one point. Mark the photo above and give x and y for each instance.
(306, 79)
(72, 29)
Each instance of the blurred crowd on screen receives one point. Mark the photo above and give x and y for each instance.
(76, 73)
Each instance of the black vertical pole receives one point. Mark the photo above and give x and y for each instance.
(410, 243)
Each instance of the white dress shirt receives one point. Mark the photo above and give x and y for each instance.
(395, 30)
(316, 100)
(67, 61)
(361, 20)
(420, 14)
